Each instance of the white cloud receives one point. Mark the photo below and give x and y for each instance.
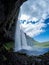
(35, 10)
(33, 29)
(24, 17)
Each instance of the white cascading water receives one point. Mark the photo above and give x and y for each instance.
(20, 39)
(23, 40)
(17, 37)
(24, 43)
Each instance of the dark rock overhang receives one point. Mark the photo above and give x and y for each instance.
(9, 10)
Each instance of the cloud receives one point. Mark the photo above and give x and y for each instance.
(24, 17)
(33, 29)
(34, 10)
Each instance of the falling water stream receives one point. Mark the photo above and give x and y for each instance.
(17, 37)
(20, 39)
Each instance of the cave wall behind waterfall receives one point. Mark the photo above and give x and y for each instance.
(9, 10)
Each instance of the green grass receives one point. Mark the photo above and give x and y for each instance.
(44, 44)
(9, 45)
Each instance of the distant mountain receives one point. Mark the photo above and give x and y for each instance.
(32, 42)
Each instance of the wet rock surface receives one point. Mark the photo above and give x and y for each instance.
(11, 58)
(9, 10)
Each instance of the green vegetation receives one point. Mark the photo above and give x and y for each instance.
(43, 44)
(9, 46)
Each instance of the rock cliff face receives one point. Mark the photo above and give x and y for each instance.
(9, 10)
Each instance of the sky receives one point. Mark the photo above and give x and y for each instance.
(34, 19)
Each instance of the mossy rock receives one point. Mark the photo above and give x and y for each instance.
(9, 46)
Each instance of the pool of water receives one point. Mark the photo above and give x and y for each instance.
(35, 51)
(38, 51)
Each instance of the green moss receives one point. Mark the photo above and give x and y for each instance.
(8, 46)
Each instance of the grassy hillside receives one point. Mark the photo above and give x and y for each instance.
(32, 42)
(44, 44)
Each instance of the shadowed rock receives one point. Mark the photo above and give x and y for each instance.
(9, 10)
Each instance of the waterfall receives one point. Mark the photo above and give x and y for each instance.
(17, 37)
(23, 40)
(20, 39)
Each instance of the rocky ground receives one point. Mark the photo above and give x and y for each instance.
(13, 58)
